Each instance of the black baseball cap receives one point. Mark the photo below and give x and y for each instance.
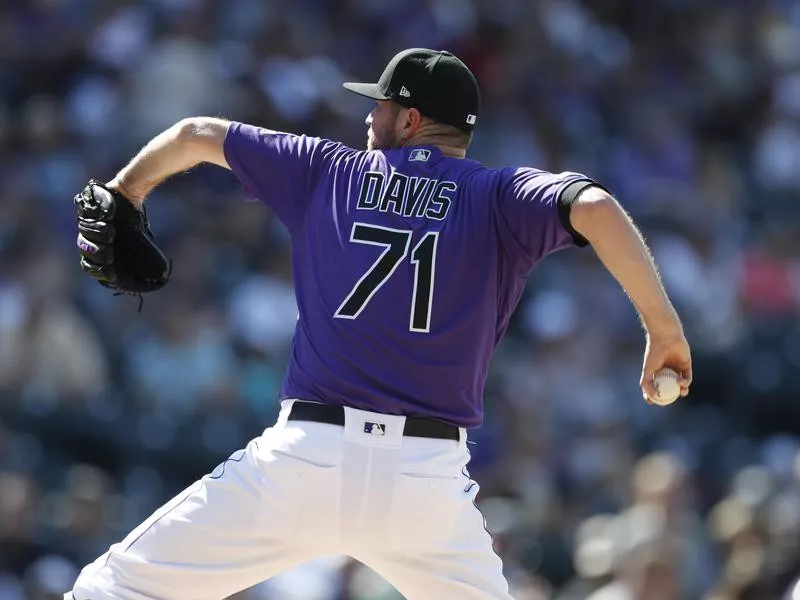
(434, 82)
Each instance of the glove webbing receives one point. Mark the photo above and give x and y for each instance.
(140, 295)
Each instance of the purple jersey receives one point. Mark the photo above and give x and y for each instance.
(407, 266)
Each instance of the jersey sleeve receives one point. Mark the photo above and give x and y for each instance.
(533, 208)
(276, 168)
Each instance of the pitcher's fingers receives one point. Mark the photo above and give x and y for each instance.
(686, 376)
(648, 387)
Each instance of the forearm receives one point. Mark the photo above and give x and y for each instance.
(182, 146)
(622, 250)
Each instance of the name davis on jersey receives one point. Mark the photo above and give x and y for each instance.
(406, 196)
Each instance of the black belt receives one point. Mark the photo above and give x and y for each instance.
(334, 415)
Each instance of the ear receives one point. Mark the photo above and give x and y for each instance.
(410, 121)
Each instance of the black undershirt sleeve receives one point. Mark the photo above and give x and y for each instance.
(568, 196)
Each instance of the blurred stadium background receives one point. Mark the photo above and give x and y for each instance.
(688, 110)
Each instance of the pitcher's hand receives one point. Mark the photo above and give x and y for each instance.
(667, 350)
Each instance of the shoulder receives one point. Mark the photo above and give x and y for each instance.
(528, 179)
(245, 135)
(516, 174)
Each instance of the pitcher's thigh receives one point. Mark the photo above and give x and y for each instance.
(439, 547)
(223, 534)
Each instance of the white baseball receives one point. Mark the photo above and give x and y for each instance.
(667, 387)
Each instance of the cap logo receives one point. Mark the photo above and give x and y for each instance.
(420, 155)
(404, 92)
(471, 119)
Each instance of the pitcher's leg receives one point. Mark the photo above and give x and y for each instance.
(236, 527)
(463, 576)
(438, 546)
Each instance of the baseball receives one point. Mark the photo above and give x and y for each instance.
(666, 384)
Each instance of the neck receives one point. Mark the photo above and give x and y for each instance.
(444, 145)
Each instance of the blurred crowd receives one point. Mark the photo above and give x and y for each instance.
(688, 110)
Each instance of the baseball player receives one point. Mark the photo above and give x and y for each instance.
(409, 259)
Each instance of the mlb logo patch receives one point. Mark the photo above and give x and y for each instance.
(371, 428)
(419, 155)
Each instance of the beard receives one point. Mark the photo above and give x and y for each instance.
(381, 140)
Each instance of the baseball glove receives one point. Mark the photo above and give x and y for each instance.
(116, 245)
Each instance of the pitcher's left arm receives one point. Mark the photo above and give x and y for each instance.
(187, 143)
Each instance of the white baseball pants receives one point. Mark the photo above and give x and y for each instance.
(402, 505)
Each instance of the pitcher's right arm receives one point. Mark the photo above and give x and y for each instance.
(599, 218)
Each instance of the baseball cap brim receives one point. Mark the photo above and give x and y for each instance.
(368, 90)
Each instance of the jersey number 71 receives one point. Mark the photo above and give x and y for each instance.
(395, 243)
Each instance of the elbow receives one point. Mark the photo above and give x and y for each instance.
(187, 131)
(592, 211)
(203, 138)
